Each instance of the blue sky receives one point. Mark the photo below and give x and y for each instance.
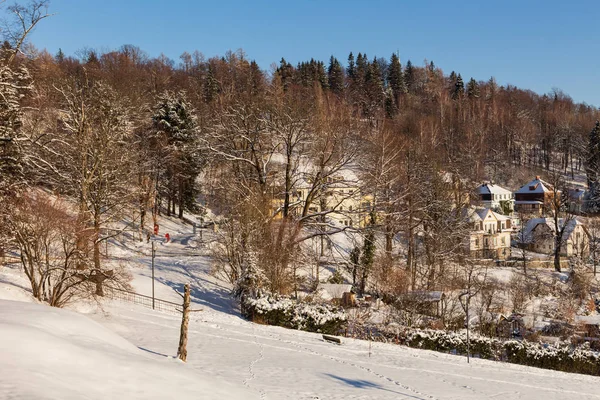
(533, 44)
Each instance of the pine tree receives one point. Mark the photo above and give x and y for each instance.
(15, 84)
(373, 88)
(395, 77)
(321, 76)
(459, 88)
(361, 67)
(351, 69)
(60, 56)
(174, 121)
(211, 85)
(473, 89)
(409, 77)
(336, 76)
(368, 253)
(286, 73)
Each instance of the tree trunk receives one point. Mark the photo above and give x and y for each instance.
(181, 187)
(97, 265)
(185, 318)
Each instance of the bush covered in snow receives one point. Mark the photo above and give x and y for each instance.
(283, 311)
(562, 356)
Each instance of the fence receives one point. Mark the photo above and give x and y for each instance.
(145, 301)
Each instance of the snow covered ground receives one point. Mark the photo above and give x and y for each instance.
(126, 351)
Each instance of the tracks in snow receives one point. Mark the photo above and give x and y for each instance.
(261, 356)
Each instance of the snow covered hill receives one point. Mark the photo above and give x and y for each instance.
(48, 353)
(128, 352)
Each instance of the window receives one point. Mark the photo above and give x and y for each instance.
(350, 208)
(503, 241)
(477, 242)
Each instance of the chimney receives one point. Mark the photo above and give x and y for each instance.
(537, 177)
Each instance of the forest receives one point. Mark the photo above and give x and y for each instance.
(117, 135)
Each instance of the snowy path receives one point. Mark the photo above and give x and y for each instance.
(275, 363)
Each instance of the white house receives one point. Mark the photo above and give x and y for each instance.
(539, 236)
(496, 197)
(490, 234)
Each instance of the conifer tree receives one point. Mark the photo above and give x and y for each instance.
(60, 56)
(321, 76)
(473, 89)
(211, 85)
(409, 76)
(361, 67)
(351, 69)
(395, 77)
(459, 88)
(286, 73)
(368, 253)
(336, 76)
(175, 125)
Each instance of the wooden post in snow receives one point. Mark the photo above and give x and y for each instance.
(185, 319)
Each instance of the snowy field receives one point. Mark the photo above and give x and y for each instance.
(125, 351)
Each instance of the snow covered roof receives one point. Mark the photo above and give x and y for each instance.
(333, 290)
(480, 214)
(486, 212)
(535, 186)
(490, 188)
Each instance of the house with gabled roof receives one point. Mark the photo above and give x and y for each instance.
(534, 197)
(539, 236)
(490, 234)
(496, 198)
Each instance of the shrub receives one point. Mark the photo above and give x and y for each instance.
(283, 311)
(561, 356)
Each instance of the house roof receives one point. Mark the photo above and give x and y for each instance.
(330, 291)
(535, 186)
(490, 188)
(481, 214)
(486, 213)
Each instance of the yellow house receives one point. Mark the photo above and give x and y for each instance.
(341, 200)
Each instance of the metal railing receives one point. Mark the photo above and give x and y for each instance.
(145, 301)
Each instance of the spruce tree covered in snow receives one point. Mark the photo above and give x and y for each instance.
(15, 82)
(593, 169)
(175, 126)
